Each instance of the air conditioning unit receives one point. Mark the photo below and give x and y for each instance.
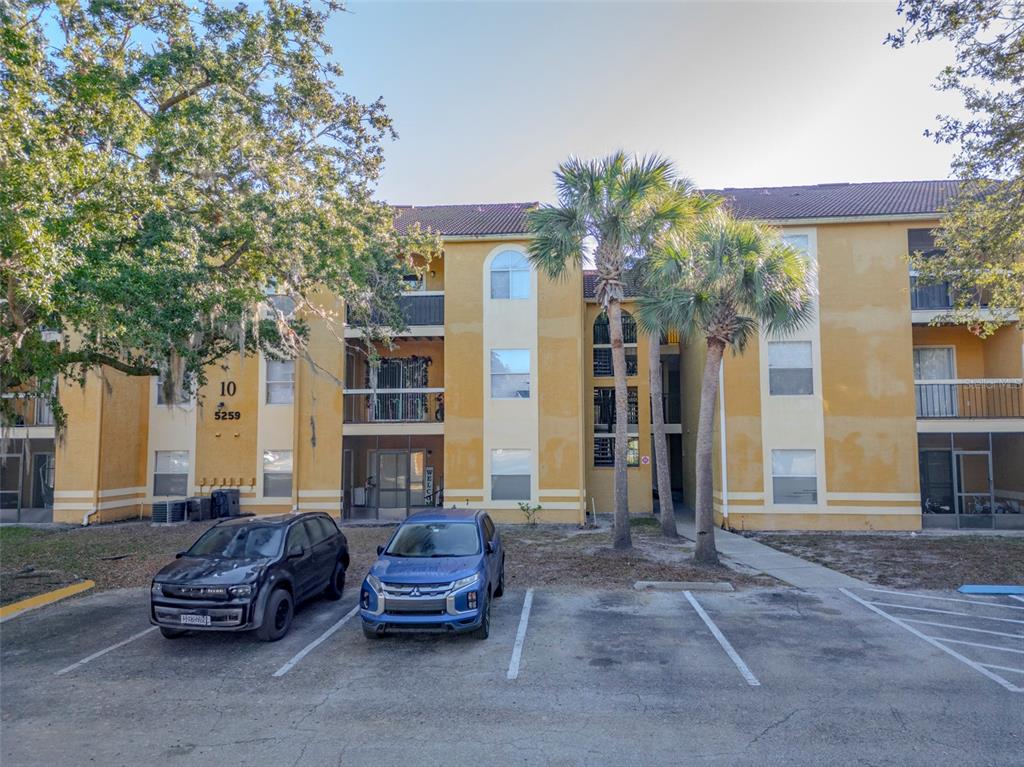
(168, 512)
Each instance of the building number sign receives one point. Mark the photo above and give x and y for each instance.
(227, 389)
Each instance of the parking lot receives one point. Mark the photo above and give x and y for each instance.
(764, 676)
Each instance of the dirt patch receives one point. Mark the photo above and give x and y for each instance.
(118, 555)
(569, 558)
(123, 555)
(906, 560)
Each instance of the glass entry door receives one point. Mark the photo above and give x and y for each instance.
(973, 488)
(392, 484)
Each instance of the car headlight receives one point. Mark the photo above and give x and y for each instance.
(241, 591)
(461, 583)
(374, 583)
(157, 589)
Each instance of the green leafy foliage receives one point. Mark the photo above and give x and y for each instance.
(163, 164)
(981, 241)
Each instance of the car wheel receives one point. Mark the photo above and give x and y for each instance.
(172, 633)
(485, 622)
(500, 590)
(337, 584)
(371, 633)
(277, 618)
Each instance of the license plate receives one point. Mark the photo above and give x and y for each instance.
(195, 620)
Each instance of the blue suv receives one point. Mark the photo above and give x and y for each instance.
(438, 572)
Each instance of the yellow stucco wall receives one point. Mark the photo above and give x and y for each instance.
(226, 450)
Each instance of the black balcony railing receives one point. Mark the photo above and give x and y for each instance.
(390, 406)
(970, 399)
(417, 311)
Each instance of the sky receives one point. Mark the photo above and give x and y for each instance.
(489, 97)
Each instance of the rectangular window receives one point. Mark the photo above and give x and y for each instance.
(801, 242)
(510, 475)
(510, 373)
(170, 472)
(277, 473)
(604, 451)
(603, 361)
(790, 367)
(280, 382)
(794, 476)
(604, 408)
(921, 241)
(183, 396)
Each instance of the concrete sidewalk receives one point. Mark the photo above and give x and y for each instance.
(787, 568)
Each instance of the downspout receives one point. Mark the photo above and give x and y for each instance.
(725, 464)
(99, 458)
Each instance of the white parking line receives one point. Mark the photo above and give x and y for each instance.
(1019, 599)
(980, 668)
(950, 599)
(977, 644)
(964, 628)
(517, 648)
(733, 655)
(946, 612)
(104, 651)
(1004, 668)
(315, 643)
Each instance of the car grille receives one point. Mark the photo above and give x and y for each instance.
(414, 606)
(195, 592)
(415, 589)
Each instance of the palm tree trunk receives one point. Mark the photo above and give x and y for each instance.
(666, 511)
(705, 552)
(621, 537)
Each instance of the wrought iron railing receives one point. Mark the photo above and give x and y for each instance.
(970, 398)
(394, 406)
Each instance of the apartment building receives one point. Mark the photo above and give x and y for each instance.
(500, 393)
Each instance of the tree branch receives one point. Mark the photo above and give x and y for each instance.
(185, 94)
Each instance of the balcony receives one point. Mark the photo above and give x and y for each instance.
(394, 406)
(970, 398)
(418, 310)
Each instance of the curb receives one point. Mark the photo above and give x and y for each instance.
(41, 600)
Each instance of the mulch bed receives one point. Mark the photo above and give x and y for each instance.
(907, 560)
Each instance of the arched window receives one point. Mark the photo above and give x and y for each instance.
(603, 344)
(510, 275)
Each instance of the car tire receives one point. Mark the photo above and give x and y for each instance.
(277, 617)
(485, 622)
(337, 583)
(172, 633)
(499, 591)
(371, 633)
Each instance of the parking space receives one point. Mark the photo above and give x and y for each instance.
(671, 670)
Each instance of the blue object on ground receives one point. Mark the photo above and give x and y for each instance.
(991, 589)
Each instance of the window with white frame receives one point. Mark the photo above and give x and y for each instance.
(801, 242)
(170, 472)
(277, 473)
(790, 367)
(511, 472)
(794, 477)
(510, 373)
(280, 382)
(510, 275)
(181, 397)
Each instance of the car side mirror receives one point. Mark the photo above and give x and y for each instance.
(489, 547)
(180, 554)
(296, 551)
(380, 550)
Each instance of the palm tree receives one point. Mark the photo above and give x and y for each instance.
(650, 284)
(723, 280)
(617, 205)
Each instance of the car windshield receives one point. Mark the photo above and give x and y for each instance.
(435, 539)
(238, 542)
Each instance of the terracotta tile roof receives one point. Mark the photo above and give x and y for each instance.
(466, 220)
(881, 198)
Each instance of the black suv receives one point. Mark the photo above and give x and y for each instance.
(250, 573)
